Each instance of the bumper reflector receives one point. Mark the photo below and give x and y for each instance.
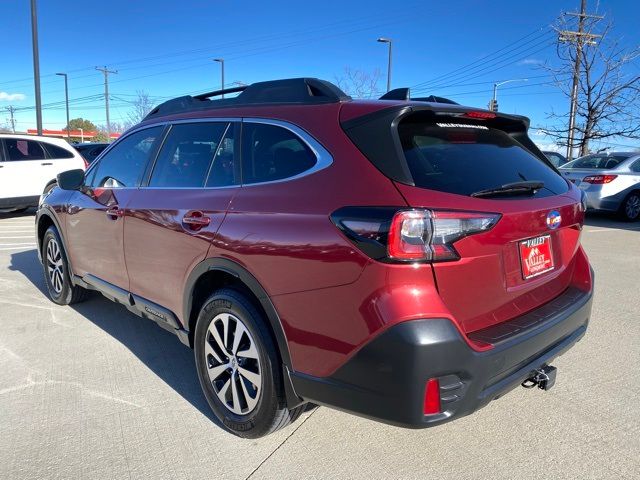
(432, 397)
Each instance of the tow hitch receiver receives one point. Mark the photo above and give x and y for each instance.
(544, 378)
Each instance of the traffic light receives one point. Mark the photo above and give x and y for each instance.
(493, 105)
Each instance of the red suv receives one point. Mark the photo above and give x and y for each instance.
(407, 261)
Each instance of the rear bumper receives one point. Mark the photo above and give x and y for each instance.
(385, 380)
(596, 201)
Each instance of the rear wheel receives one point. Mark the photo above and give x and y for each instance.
(56, 271)
(239, 368)
(630, 208)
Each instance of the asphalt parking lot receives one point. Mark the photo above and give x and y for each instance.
(92, 391)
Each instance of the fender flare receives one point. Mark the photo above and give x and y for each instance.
(45, 211)
(233, 268)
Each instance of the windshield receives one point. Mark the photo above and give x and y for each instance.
(597, 162)
(466, 159)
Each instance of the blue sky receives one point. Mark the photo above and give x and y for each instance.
(165, 48)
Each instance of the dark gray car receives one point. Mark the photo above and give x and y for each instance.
(611, 181)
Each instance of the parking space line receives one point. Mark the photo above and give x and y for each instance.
(24, 247)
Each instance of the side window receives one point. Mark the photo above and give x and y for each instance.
(19, 149)
(225, 171)
(270, 152)
(186, 155)
(635, 166)
(123, 165)
(57, 152)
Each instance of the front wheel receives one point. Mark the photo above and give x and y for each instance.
(56, 271)
(239, 368)
(630, 208)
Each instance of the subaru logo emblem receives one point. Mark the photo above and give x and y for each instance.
(553, 219)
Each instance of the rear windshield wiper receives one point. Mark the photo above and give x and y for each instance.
(515, 188)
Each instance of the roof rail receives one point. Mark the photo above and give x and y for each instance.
(404, 93)
(295, 91)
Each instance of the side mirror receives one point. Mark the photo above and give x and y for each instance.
(71, 179)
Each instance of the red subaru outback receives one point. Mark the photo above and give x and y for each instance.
(407, 261)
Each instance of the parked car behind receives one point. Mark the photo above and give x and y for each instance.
(556, 158)
(406, 261)
(28, 168)
(610, 181)
(90, 151)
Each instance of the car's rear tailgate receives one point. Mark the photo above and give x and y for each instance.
(486, 285)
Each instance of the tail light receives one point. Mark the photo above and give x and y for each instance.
(599, 179)
(392, 235)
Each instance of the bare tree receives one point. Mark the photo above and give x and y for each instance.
(358, 83)
(142, 105)
(608, 102)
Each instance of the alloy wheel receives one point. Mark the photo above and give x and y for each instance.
(632, 206)
(233, 364)
(54, 265)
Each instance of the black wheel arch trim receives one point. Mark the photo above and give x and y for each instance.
(243, 275)
(233, 268)
(45, 211)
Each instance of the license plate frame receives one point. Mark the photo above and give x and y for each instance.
(536, 256)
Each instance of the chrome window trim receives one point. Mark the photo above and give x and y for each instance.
(323, 158)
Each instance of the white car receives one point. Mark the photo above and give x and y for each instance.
(29, 165)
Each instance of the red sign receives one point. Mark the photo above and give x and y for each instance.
(536, 256)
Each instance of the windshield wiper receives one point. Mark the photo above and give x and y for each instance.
(515, 188)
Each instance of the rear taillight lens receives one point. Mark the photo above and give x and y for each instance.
(599, 179)
(429, 235)
(392, 235)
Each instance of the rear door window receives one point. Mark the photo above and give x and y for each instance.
(21, 150)
(186, 155)
(464, 159)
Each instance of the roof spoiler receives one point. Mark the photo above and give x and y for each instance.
(404, 93)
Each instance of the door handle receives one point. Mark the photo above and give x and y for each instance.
(46, 163)
(115, 212)
(196, 220)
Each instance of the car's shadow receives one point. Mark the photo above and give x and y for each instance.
(608, 220)
(158, 349)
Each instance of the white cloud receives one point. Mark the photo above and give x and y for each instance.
(530, 61)
(12, 97)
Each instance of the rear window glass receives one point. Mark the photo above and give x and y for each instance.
(57, 152)
(599, 162)
(464, 159)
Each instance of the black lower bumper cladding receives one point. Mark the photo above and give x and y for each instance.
(385, 380)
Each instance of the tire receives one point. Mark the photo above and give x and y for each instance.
(630, 207)
(55, 267)
(257, 407)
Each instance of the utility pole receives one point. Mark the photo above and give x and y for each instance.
(580, 38)
(12, 109)
(106, 73)
(36, 65)
(66, 101)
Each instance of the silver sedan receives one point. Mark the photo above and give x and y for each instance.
(610, 181)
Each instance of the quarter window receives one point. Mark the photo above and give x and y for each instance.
(57, 152)
(123, 165)
(635, 167)
(186, 155)
(270, 152)
(21, 150)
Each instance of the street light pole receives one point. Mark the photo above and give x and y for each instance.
(66, 100)
(389, 42)
(221, 62)
(493, 105)
(36, 65)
